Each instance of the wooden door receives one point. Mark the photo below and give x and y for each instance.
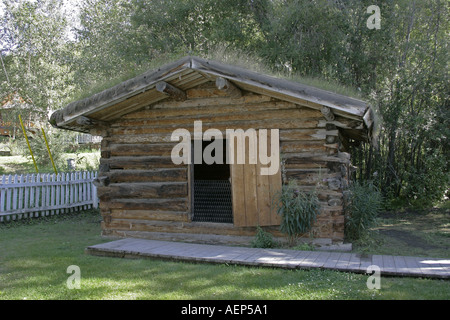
(252, 192)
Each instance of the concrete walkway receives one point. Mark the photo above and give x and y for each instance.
(280, 258)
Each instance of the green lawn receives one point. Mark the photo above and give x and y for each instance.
(22, 165)
(34, 258)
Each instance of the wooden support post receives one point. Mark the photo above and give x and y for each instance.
(168, 89)
(226, 86)
(327, 113)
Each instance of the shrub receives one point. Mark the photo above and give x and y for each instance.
(58, 141)
(363, 202)
(263, 239)
(298, 210)
(426, 186)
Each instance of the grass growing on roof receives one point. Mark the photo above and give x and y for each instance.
(96, 86)
(254, 63)
(233, 57)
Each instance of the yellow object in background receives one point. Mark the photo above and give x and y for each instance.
(29, 147)
(48, 149)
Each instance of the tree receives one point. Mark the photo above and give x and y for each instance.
(33, 37)
(412, 161)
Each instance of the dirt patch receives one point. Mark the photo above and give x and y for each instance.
(408, 238)
(410, 233)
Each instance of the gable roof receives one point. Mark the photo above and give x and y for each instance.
(189, 72)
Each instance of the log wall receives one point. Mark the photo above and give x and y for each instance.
(143, 191)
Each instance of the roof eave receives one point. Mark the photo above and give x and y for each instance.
(120, 92)
(298, 93)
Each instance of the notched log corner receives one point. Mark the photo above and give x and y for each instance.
(101, 181)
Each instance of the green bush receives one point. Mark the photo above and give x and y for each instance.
(363, 202)
(298, 210)
(426, 186)
(263, 239)
(58, 141)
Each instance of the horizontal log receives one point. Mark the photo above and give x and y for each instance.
(248, 98)
(288, 123)
(143, 190)
(156, 175)
(136, 225)
(170, 226)
(199, 92)
(174, 204)
(324, 194)
(211, 117)
(311, 157)
(150, 215)
(311, 170)
(343, 123)
(191, 238)
(302, 146)
(310, 178)
(306, 134)
(152, 114)
(213, 239)
(317, 165)
(139, 138)
(137, 149)
(138, 162)
(156, 138)
(332, 146)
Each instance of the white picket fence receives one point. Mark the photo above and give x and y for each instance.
(34, 195)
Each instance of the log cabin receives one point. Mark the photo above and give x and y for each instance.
(144, 193)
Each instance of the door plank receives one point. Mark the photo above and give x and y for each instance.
(237, 189)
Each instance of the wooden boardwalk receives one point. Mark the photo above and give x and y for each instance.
(281, 258)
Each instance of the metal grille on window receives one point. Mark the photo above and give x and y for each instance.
(212, 201)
